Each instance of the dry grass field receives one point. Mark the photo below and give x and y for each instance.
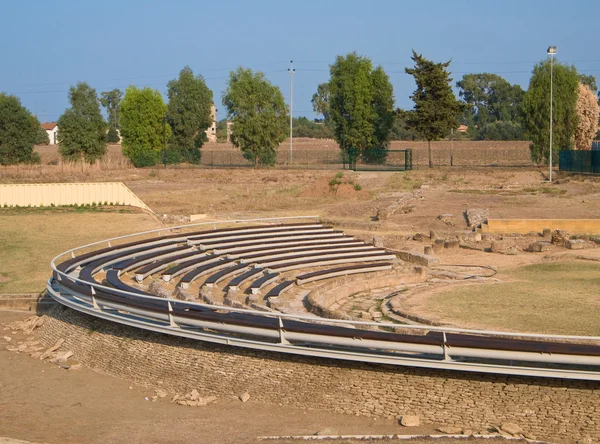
(551, 298)
(31, 238)
(307, 153)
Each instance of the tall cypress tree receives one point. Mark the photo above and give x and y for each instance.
(436, 109)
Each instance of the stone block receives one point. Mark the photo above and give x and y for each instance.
(511, 427)
(450, 430)
(451, 243)
(419, 259)
(575, 244)
(538, 247)
(505, 246)
(378, 241)
(476, 216)
(410, 421)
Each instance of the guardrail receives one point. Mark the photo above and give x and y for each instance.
(288, 336)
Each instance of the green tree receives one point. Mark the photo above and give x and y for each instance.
(400, 130)
(19, 131)
(589, 81)
(143, 126)
(490, 98)
(320, 102)
(361, 107)
(304, 127)
(222, 131)
(111, 101)
(258, 114)
(436, 107)
(501, 130)
(189, 114)
(536, 110)
(81, 128)
(42, 137)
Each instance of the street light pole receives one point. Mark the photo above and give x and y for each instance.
(551, 52)
(291, 70)
(165, 145)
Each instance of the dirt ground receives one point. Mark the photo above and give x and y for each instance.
(41, 402)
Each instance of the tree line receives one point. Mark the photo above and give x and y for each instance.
(356, 105)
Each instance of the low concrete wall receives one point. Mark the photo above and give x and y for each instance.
(523, 226)
(564, 411)
(47, 194)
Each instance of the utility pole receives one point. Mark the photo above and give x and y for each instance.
(291, 70)
(165, 137)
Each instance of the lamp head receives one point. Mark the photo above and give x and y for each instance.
(552, 50)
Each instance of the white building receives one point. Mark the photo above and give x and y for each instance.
(52, 131)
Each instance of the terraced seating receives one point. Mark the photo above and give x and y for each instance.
(112, 277)
(263, 281)
(238, 280)
(225, 273)
(294, 264)
(191, 264)
(157, 266)
(314, 249)
(217, 244)
(266, 245)
(341, 271)
(198, 272)
(139, 261)
(279, 289)
(257, 233)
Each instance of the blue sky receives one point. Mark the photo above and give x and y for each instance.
(51, 45)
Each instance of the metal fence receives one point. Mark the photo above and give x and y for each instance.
(595, 146)
(582, 162)
(389, 160)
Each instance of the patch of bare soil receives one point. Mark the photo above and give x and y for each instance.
(42, 402)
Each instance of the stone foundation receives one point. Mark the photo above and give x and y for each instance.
(560, 410)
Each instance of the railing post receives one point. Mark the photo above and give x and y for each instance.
(94, 302)
(171, 321)
(282, 339)
(445, 347)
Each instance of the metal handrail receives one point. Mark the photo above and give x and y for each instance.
(293, 316)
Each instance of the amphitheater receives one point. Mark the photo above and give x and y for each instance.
(248, 305)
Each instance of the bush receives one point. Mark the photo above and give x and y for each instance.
(141, 159)
(113, 135)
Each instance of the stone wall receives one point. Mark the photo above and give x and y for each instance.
(545, 408)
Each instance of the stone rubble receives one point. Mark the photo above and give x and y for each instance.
(450, 430)
(476, 216)
(192, 399)
(244, 396)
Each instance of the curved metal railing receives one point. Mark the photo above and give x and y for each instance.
(490, 360)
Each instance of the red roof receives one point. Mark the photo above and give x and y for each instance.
(49, 125)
